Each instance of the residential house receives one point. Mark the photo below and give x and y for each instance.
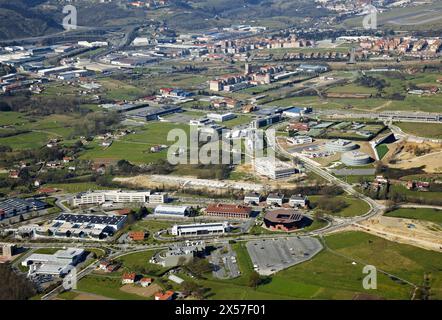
(128, 278)
(145, 282)
(168, 295)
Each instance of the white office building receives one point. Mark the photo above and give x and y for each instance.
(117, 196)
(275, 198)
(274, 168)
(298, 201)
(200, 229)
(300, 140)
(252, 198)
(158, 197)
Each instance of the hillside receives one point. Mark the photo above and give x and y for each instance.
(28, 18)
(25, 18)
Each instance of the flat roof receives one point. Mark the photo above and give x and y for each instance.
(283, 216)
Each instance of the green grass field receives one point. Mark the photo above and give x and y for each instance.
(136, 147)
(428, 130)
(76, 187)
(352, 88)
(40, 129)
(12, 118)
(356, 207)
(25, 141)
(416, 194)
(330, 275)
(382, 150)
(139, 263)
(426, 214)
(105, 286)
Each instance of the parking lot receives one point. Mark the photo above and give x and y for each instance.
(224, 262)
(273, 255)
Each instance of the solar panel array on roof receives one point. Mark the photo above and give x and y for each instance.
(15, 206)
(95, 219)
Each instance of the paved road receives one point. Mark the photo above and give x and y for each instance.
(375, 208)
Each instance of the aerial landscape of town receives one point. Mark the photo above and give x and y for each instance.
(221, 150)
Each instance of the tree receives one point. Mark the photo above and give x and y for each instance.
(14, 286)
(254, 279)
(199, 266)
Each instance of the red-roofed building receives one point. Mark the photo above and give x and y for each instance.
(47, 190)
(145, 282)
(228, 211)
(168, 295)
(137, 235)
(14, 174)
(104, 264)
(166, 91)
(124, 212)
(128, 278)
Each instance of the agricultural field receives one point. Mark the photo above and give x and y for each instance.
(136, 147)
(30, 132)
(108, 287)
(119, 90)
(11, 118)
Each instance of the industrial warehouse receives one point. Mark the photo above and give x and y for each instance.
(175, 211)
(15, 206)
(79, 226)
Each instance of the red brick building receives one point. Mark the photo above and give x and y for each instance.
(228, 211)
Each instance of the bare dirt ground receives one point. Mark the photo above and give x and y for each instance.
(90, 296)
(366, 148)
(404, 155)
(170, 181)
(143, 292)
(418, 233)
